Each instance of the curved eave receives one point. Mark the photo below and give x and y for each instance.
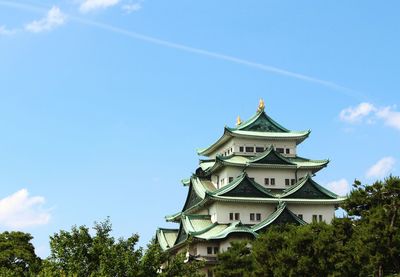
(277, 200)
(298, 136)
(174, 217)
(162, 240)
(254, 118)
(223, 139)
(222, 163)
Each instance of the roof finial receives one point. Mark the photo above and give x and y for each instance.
(261, 105)
(238, 121)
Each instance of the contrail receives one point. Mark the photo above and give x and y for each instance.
(194, 50)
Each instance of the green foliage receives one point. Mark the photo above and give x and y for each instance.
(178, 267)
(236, 261)
(376, 213)
(77, 253)
(17, 255)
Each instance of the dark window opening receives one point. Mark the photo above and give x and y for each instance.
(266, 181)
(251, 217)
(258, 217)
(287, 182)
(273, 181)
(230, 216)
(320, 218)
(216, 250)
(209, 250)
(292, 181)
(259, 149)
(237, 216)
(249, 149)
(230, 179)
(300, 216)
(287, 151)
(241, 149)
(251, 178)
(280, 150)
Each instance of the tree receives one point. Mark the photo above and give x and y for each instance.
(375, 210)
(77, 253)
(17, 255)
(237, 261)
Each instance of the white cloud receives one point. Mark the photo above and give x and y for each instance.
(6, 32)
(390, 117)
(20, 210)
(382, 168)
(91, 5)
(369, 113)
(53, 19)
(130, 8)
(358, 113)
(340, 187)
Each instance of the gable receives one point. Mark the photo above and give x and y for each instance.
(309, 190)
(192, 199)
(263, 124)
(245, 189)
(272, 158)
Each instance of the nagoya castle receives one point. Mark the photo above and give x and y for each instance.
(251, 179)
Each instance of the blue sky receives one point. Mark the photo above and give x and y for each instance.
(103, 103)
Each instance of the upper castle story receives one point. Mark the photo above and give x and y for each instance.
(255, 136)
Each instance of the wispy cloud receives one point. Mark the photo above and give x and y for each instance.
(358, 113)
(381, 168)
(367, 112)
(132, 7)
(91, 5)
(7, 32)
(53, 19)
(340, 187)
(198, 51)
(20, 210)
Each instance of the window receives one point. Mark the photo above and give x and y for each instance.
(258, 217)
(300, 216)
(237, 216)
(279, 150)
(230, 179)
(209, 250)
(251, 178)
(249, 149)
(314, 218)
(216, 250)
(241, 149)
(287, 150)
(266, 181)
(287, 182)
(251, 217)
(259, 149)
(210, 273)
(320, 218)
(273, 181)
(230, 216)
(292, 181)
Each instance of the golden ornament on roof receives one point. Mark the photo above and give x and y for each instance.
(261, 105)
(238, 121)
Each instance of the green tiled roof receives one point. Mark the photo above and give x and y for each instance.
(270, 158)
(260, 126)
(166, 237)
(281, 215)
(307, 188)
(242, 186)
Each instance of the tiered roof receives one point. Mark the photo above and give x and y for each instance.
(202, 192)
(200, 227)
(270, 158)
(244, 190)
(260, 126)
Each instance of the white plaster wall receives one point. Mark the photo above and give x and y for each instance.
(259, 174)
(327, 211)
(220, 211)
(202, 248)
(235, 142)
